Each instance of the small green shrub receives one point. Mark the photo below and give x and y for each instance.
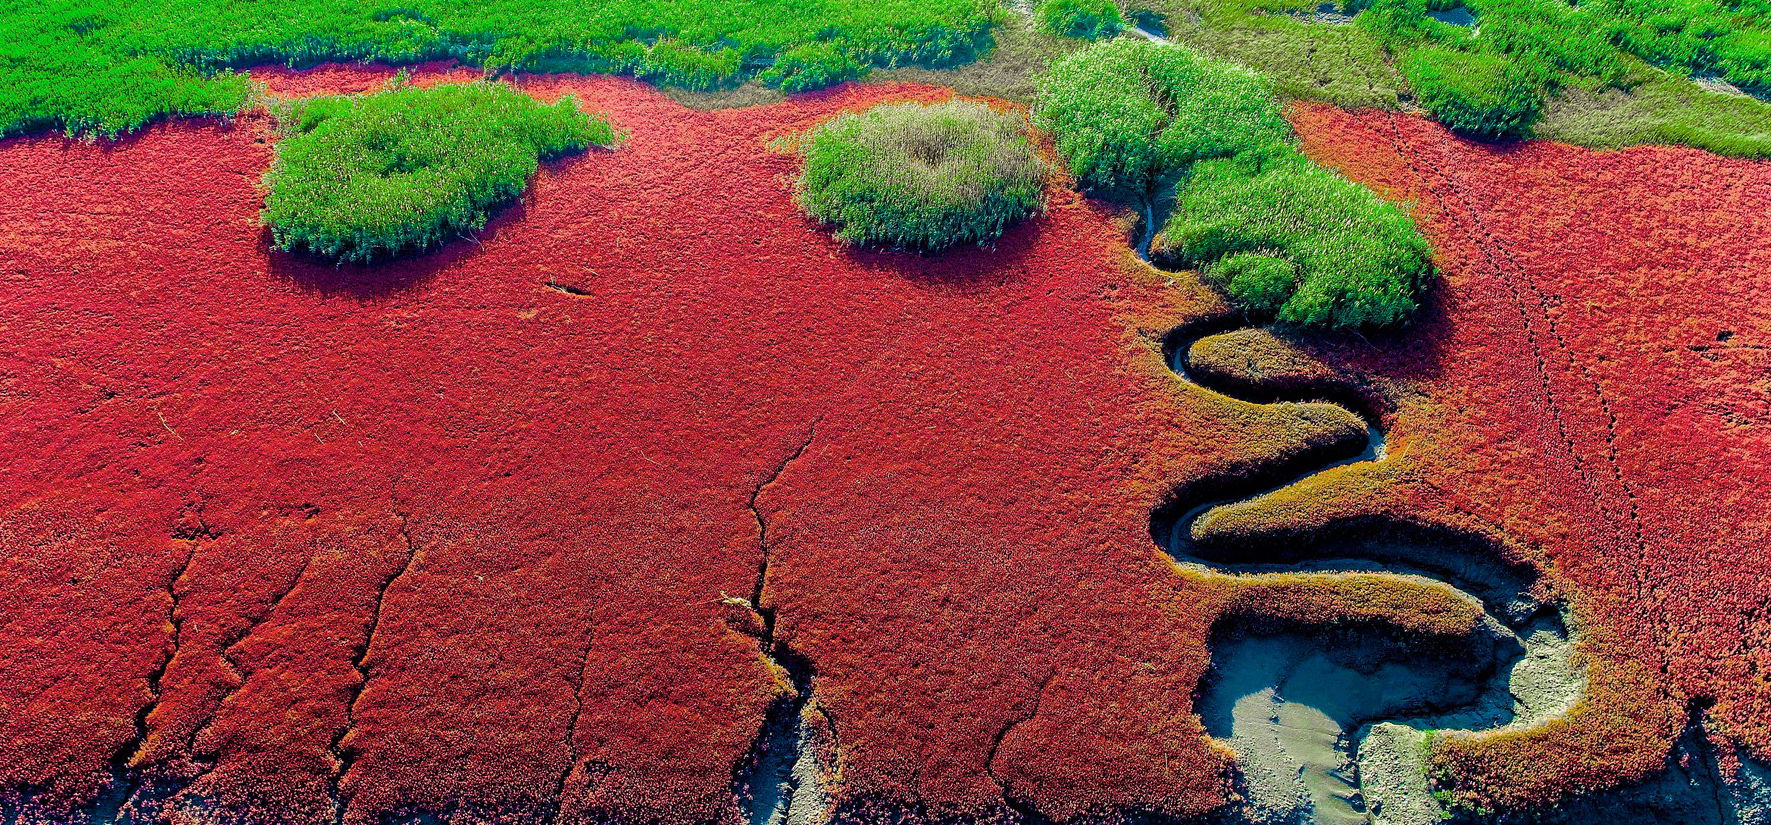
(1084, 19)
(1127, 113)
(406, 169)
(1474, 93)
(921, 177)
(1397, 22)
(1298, 244)
(678, 63)
(812, 66)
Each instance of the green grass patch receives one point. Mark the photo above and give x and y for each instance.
(1587, 63)
(1658, 107)
(1083, 19)
(1282, 238)
(921, 177)
(82, 66)
(1129, 113)
(1342, 65)
(1474, 93)
(364, 177)
(1298, 244)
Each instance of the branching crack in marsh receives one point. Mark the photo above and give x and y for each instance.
(342, 756)
(782, 780)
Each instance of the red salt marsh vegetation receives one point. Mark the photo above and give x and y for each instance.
(1591, 386)
(474, 532)
(552, 518)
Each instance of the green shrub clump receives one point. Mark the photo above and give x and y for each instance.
(406, 169)
(811, 66)
(921, 177)
(1282, 238)
(1085, 19)
(1297, 244)
(1128, 113)
(1474, 93)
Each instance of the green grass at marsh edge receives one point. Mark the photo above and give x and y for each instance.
(1348, 66)
(82, 66)
(1660, 108)
(1308, 61)
(107, 68)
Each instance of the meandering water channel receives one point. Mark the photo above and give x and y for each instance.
(1329, 726)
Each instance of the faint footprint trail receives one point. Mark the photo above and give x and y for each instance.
(1329, 724)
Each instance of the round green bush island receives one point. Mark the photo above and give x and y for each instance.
(366, 177)
(922, 177)
(1084, 19)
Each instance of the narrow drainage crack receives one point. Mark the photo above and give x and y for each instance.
(1020, 806)
(784, 772)
(570, 737)
(762, 525)
(126, 773)
(343, 757)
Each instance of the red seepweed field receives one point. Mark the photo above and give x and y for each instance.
(1594, 384)
(494, 497)
(478, 533)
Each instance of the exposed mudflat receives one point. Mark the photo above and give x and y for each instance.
(1333, 727)
(1289, 706)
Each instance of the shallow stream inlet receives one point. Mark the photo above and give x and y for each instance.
(1332, 726)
